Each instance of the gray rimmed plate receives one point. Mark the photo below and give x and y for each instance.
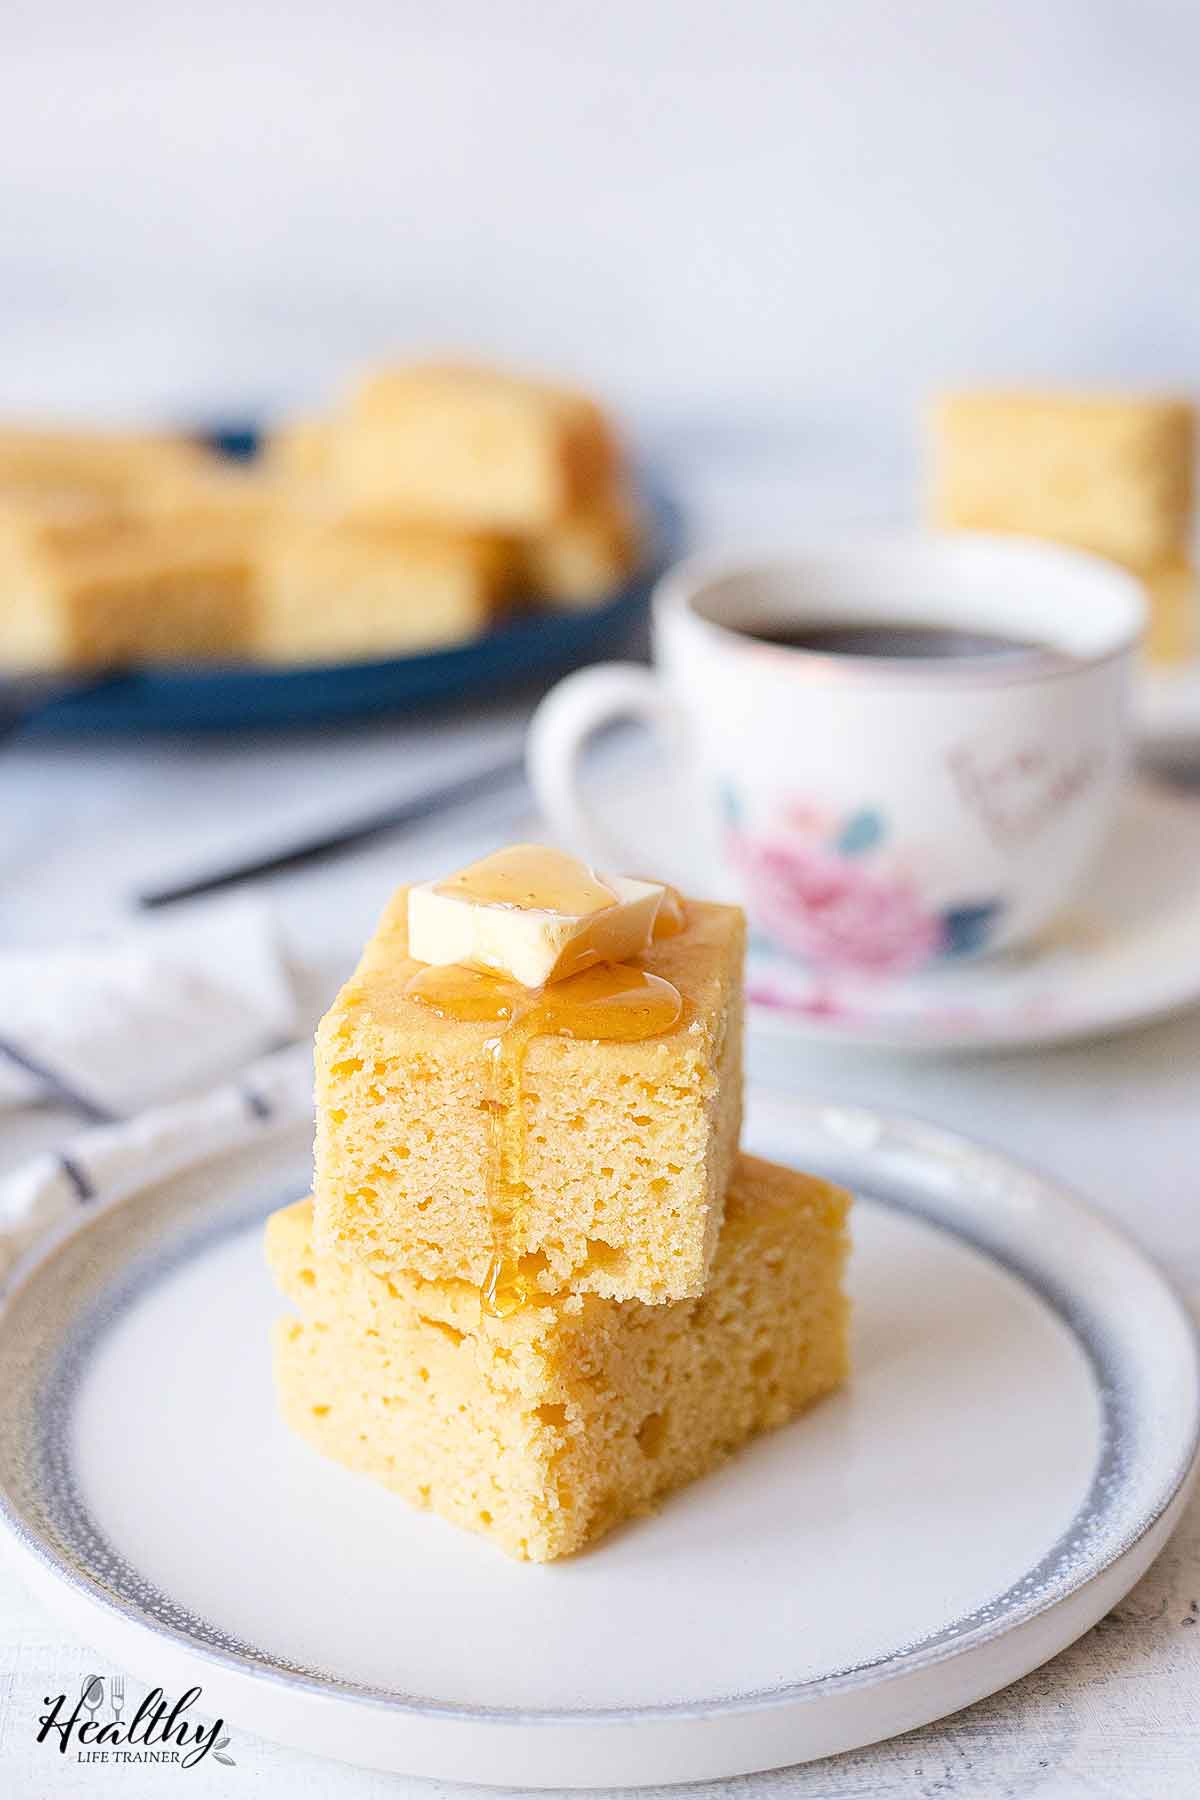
(1015, 1446)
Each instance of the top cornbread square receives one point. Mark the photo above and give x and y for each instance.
(627, 1147)
(1107, 473)
(470, 447)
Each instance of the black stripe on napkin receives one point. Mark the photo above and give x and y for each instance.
(257, 1105)
(56, 1088)
(79, 1179)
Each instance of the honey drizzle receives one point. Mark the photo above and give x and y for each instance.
(532, 876)
(612, 1002)
(671, 917)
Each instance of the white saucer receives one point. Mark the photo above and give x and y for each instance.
(1127, 953)
(1014, 1448)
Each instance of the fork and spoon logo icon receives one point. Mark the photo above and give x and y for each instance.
(92, 1696)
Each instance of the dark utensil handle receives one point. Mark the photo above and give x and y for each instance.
(344, 837)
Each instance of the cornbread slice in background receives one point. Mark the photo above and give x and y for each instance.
(1108, 473)
(545, 1429)
(298, 450)
(103, 465)
(627, 1147)
(1173, 594)
(471, 447)
(222, 497)
(83, 588)
(585, 557)
(333, 588)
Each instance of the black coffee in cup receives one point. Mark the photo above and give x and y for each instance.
(893, 639)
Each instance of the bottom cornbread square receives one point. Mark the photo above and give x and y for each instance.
(547, 1427)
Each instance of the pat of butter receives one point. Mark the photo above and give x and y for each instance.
(532, 945)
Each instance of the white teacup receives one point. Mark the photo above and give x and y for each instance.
(875, 813)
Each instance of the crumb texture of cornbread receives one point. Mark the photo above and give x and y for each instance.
(107, 466)
(1112, 474)
(626, 1147)
(86, 589)
(298, 450)
(231, 499)
(582, 558)
(1173, 593)
(545, 1429)
(470, 446)
(335, 587)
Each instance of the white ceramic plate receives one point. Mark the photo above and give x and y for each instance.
(1127, 953)
(1014, 1448)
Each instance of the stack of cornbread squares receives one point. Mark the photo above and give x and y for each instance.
(672, 1296)
(1109, 473)
(432, 503)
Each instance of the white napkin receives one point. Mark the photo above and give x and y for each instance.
(100, 1167)
(160, 1011)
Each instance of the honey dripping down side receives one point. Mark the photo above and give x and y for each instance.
(671, 917)
(611, 1002)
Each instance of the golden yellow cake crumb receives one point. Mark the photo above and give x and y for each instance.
(1109, 473)
(625, 1148)
(110, 466)
(471, 447)
(1173, 594)
(545, 1429)
(585, 557)
(222, 498)
(85, 588)
(299, 450)
(333, 589)
(97, 570)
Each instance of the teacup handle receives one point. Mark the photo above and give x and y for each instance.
(559, 731)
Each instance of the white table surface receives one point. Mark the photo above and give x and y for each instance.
(1113, 1718)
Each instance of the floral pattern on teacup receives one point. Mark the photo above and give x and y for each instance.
(832, 891)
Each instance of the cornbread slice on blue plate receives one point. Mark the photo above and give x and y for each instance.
(331, 588)
(580, 560)
(84, 588)
(111, 467)
(547, 1427)
(471, 447)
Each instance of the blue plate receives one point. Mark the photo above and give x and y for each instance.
(201, 697)
(226, 699)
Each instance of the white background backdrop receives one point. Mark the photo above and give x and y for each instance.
(777, 217)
